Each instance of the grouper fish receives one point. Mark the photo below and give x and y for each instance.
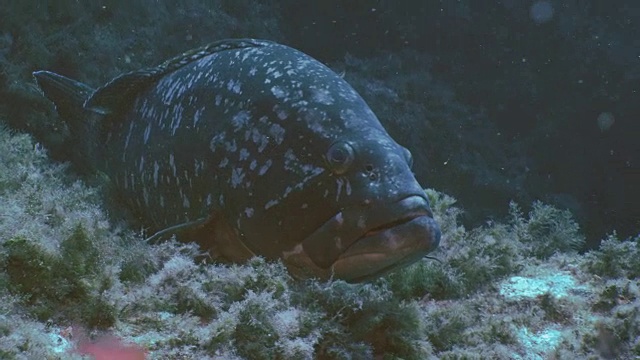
(252, 148)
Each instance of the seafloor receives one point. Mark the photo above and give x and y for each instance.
(69, 279)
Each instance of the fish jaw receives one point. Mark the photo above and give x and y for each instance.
(362, 243)
(392, 248)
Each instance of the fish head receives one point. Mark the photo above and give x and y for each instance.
(330, 192)
(380, 218)
(339, 202)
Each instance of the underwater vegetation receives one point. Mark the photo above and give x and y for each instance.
(512, 290)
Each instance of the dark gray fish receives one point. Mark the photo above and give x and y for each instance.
(253, 148)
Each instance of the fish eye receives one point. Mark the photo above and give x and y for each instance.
(340, 156)
(408, 157)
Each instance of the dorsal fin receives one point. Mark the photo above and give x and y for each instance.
(119, 93)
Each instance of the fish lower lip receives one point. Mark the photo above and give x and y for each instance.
(404, 261)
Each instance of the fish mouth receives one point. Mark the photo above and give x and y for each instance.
(395, 223)
(388, 247)
(361, 243)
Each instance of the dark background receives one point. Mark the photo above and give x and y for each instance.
(498, 100)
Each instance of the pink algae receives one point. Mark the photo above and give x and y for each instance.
(110, 348)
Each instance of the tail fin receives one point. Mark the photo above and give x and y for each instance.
(69, 96)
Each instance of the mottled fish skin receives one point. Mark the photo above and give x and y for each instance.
(272, 146)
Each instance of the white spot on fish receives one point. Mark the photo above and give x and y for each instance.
(231, 146)
(248, 212)
(287, 191)
(290, 160)
(156, 167)
(278, 92)
(277, 132)
(241, 119)
(147, 131)
(237, 174)
(177, 118)
(234, 85)
(339, 183)
(281, 113)
(172, 164)
(197, 167)
(244, 154)
(196, 116)
(270, 203)
(322, 96)
(300, 104)
(298, 249)
(216, 141)
(263, 142)
(132, 181)
(145, 196)
(265, 167)
(126, 141)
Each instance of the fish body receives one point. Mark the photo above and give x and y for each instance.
(253, 148)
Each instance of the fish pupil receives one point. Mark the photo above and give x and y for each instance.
(338, 156)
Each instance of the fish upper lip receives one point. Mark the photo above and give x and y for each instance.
(404, 218)
(397, 222)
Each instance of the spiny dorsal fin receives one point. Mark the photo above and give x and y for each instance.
(121, 91)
